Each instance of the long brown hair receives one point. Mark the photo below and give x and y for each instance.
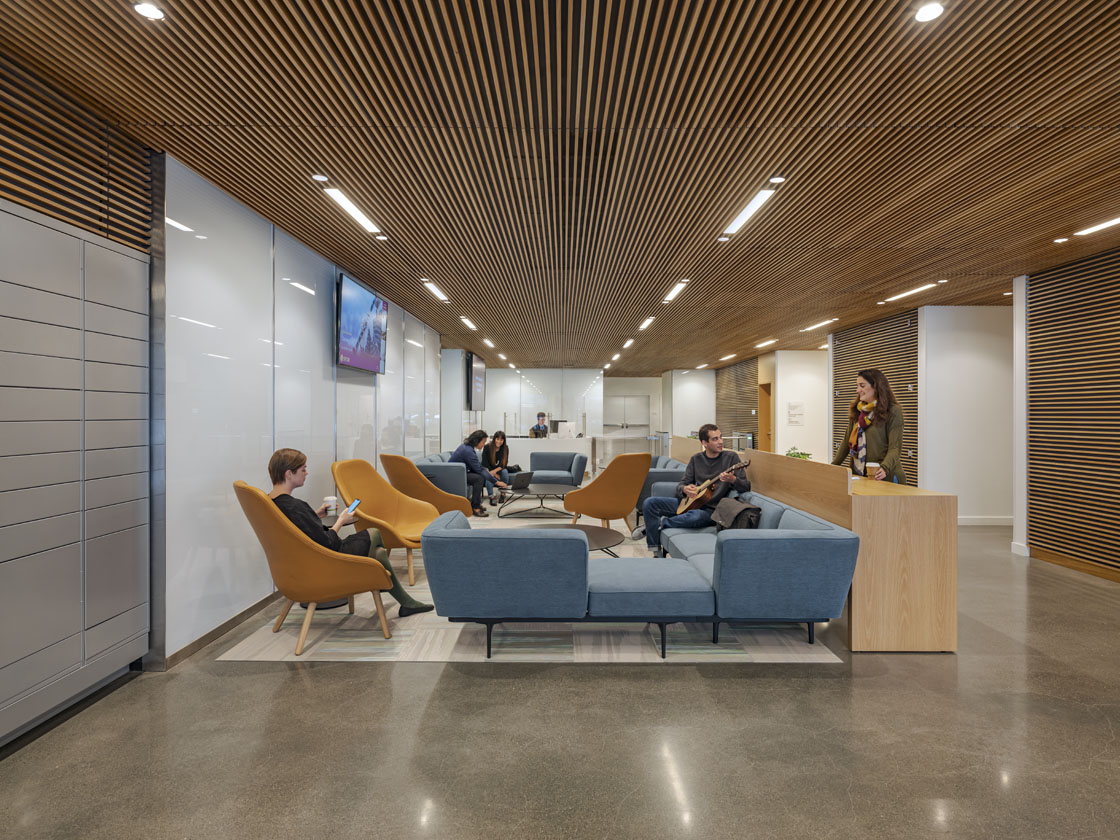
(494, 442)
(884, 396)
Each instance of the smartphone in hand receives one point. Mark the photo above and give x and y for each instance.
(353, 506)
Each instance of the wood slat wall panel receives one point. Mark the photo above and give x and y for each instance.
(891, 345)
(1073, 414)
(737, 398)
(60, 159)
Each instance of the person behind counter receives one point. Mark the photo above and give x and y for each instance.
(874, 429)
(541, 429)
(477, 477)
(495, 459)
(288, 470)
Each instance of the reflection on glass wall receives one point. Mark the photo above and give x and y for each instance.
(572, 397)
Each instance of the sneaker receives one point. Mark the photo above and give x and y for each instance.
(480, 512)
(638, 533)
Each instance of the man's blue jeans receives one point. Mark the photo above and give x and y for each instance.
(657, 506)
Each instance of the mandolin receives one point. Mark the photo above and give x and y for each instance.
(705, 491)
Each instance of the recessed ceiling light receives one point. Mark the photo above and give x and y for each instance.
(607, 365)
(616, 357)
(502, 356)
(1062, 239)
(434, 289)
(199, 236)
(488, 343)
(942, 281)
(467, 321)
(777, 179)
(646, 322)
(414, 343)
(728, 356)
(767, 343)
(629, 341)
(724, 239)
(823, 347)
(1095, 228)
(302, 287)
(880, 303)
(912, 291)
(701, 367)
(351, 208)
(149, 11)
(1008, 294)
(511, 365)
(179, 225)
(929, 12)
(676, 290)
(319, 178)
(821, 324)
(748, 211)
(381, 237)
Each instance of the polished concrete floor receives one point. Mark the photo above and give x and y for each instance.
(1013, 737)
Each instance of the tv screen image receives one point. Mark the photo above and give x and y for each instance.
(362, 318)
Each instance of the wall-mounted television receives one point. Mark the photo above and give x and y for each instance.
(476, 382)
(362, 319)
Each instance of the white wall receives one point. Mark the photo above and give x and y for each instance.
(638, 386)
(801, 376)
(513, 398)
(694, 400)
(965, 364)
(667, 404)
(251, 371)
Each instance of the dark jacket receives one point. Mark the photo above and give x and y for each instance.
(491, 461)
(304, 518)
(884, 445)
(465, 454)
(701, 468)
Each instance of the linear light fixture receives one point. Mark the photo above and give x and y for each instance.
(646, 322)
(179, 225)
(1095, 228)
(616, 357)
(821, 324)
(414, 343)
(488, 343)
(148, 10)
(928, 12)
(767, 343)
(701, 367)
(467, 321)
(502, 356)
(434, 289)
(749, 211)
(911, 292)
(629, 341)
(351, 208)
(607, 365)
(676, 290)
(823, 347)
(511, 365)
(1061, 239)
(302, 287)
(728, 356)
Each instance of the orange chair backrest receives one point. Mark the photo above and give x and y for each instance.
(406, 477)
(357, 479)
(614, 492)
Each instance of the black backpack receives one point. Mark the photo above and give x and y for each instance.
(735, 513)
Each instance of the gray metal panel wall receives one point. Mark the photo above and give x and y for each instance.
(74, 462)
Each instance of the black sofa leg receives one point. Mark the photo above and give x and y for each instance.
(489, 635)
(662, 626)
(812, 631)
(715, 632)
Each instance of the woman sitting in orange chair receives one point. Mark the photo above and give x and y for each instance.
(288, 470)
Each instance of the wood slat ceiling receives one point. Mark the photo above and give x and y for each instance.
(557, 166)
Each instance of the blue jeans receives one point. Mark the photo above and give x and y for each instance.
(657, 506)
(493, 488)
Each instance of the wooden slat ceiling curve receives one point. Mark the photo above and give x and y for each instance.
(557, 167)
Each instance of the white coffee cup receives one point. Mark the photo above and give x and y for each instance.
(332, 504)
(871, 469)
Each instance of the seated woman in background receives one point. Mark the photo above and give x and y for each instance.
(477, 477)
(288, 470)
(495, 459)
(874, 429)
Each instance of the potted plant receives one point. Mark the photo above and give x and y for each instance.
(794, 452)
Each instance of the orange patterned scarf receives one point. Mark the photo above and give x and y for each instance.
(857, 441)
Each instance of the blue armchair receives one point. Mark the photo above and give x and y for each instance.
(557, 467)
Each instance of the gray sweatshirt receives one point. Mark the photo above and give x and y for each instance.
(700, 468)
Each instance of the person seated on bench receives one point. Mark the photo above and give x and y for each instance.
(477, 477)
(288, 470)
(661, 511)
(495, 460)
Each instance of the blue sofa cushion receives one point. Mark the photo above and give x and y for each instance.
(704, 564)
(684, 542)
(645, 586)
(560, 461)
(795, 520)
(771, 510)
(552, 477)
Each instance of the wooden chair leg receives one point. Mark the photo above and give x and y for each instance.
(283, 615)
(606, 523)
(381, 614)
(411, 573)
(305, 628)
(575, 519)
(350, 604)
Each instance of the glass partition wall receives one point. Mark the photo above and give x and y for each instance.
(571, 399)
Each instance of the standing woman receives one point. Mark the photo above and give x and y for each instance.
(495, 459)
(874, 429)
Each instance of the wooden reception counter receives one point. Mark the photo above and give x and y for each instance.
(904, 593)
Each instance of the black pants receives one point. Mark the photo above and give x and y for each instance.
(476, 483)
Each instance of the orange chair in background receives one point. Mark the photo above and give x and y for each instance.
(406, 477)
(303, 570)
(399, 518)
(614, 492)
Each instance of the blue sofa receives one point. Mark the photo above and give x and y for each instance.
(558, 467)
(662, 469)
(448, 477)
(795, 568)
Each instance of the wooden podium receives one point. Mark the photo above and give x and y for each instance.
(904, 592)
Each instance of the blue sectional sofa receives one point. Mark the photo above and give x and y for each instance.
(662, 469)
(558, 467)
(795, 568)
(450, 478)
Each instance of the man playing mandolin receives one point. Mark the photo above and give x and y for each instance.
(711, 464)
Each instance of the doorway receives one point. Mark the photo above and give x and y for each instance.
(625, 426)
(765, 419)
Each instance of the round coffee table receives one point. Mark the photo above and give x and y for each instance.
(540, 492)
(598, 537)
